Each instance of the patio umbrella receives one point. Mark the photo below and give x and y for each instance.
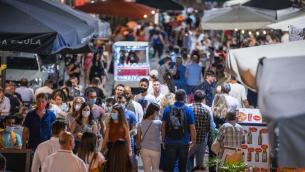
(270, 4)
(241, 17)
(44, 27)
(162, 4)
(119, 8)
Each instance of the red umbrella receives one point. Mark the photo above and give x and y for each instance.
(118, 8)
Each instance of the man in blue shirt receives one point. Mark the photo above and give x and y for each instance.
(177, 148)
(37, 124)
(181, 71)
(193, 74)
(209, 87)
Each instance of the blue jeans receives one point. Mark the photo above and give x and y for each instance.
(198, 152)
(176, 152)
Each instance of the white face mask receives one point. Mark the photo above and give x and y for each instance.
(86, 113)
(77, 107)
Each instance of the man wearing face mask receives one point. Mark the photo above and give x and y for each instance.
(109, 103)
(97, 111)
(8, 138)
(144, 98)
(37, 123)
(133, 105)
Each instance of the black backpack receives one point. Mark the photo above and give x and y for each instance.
(176, 123)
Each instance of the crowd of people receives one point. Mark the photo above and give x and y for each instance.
(169, 124)
(81, 135)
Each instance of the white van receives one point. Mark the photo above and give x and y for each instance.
(25, 65)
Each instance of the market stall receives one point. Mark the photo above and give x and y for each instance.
(276, 73)
(256, 147)
(131, 62)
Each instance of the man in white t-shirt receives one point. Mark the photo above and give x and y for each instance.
(48, 147)
(154, 75)
(238, 91)
(64, 160)
(157, 91)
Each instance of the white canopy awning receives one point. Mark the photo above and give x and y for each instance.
(297, 21)
(281, 86)
(241, 17)
(243, 62)
(234, 2)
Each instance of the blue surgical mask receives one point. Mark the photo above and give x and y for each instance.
(91, 102)
(114, 116)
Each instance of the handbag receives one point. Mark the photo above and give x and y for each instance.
(216, 146)
(232, 155)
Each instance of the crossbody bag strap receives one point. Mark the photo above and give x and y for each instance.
(146, 131)
(92, 160)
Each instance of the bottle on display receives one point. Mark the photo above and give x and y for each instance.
(256, 156)
(249, 117)
(249, 156)
(249, 137)
(260, 138)
(243, 157)
(264, 155)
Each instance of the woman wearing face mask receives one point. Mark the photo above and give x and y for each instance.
(83, 123)
(149, 138)
(117, 129)
(87, 151)
(74, 111)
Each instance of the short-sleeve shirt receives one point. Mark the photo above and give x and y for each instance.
(189, 119)
(194, 74)
(231, 135)
(209, 91)
(238, 91)
(97, 112)
(131, 118)
(39, 128)
(145, 100)
(151, 134)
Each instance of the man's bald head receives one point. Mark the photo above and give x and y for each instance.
(127, 89)
(66, 140)
(128, 92)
